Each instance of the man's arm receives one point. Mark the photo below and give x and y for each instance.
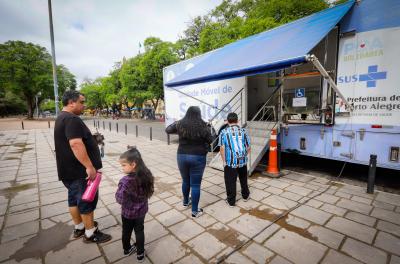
(247, 141)
(79, 150)
(222, 152)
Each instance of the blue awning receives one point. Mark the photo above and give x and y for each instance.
(268, 51)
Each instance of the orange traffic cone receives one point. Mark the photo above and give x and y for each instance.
(272, 168)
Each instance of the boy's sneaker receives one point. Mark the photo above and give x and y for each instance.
(187, 204)
(230, 205)
(246, 199)
(80, 232)
(131, 250)
(198, 213)
(140, 257)
(97, 237)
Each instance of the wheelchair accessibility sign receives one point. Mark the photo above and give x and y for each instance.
(299, 92)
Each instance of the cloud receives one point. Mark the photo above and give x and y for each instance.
(91, 35)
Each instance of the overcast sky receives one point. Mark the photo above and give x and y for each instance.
(90, 35)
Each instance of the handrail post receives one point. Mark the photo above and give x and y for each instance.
(241, 109)
(225, 105)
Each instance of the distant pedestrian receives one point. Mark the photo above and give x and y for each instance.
(234, 146)
(78, 159)
(194, 140)
(134, 190)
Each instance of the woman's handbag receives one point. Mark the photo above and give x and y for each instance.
(91, 188)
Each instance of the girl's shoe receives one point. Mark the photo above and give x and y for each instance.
(198, 213)
(140, 257)
(230, 205)
(131, 250)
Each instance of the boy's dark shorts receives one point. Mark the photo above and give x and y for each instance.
(76, 188)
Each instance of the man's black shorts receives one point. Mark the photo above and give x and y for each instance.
(76, 188)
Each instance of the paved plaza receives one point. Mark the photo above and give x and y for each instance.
(294, 219)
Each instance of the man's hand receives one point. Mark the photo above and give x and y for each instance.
(91, 172)
(79, 150)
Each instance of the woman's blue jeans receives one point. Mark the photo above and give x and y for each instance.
(191, 168)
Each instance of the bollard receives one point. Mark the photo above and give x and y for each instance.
(137, 131)
(22, 123)
(109, 126)
(371, 173)
(48, 122)
(126, 129)
(104, 126)
(94, 123)
(151, 133)
(98, 124)
(116, 125)
(168, 139)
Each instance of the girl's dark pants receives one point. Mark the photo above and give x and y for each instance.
(128, 225)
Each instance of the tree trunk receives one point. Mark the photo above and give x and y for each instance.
(129, 109)
(155, 104)
(29, 104)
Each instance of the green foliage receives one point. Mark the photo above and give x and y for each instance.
(140, 78)
(25, 68)
(95, 94)
(158, 55)
(65, 80)
(191, 36)
(49, 105)
(26, 71)
(234, 20)
(11, 104)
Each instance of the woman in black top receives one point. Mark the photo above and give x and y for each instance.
(194, 139)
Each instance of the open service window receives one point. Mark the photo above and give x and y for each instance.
(301, 100)
(307, 97)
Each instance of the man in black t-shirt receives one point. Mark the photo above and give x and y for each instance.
(78, 159)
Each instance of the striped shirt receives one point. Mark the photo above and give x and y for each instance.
(235, 141)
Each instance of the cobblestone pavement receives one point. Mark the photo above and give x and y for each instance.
(341, 225)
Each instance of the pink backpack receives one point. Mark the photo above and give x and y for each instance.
(91, 189)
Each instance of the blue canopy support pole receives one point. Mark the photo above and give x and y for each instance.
(312, 58)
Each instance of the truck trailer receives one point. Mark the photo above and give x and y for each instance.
(329, 83)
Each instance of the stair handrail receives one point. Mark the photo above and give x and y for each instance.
(250, 162)
(266, 102)
(226, 104)
(215, 139)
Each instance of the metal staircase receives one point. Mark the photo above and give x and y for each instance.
(259, 130)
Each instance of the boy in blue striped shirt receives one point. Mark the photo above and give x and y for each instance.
(234, 145)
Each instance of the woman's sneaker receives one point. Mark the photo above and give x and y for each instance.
(97, 237)
(140, 257)
(187, 204)
(131, 250)
(198, 213)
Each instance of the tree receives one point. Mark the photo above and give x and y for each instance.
(25, 70)
(94, 94)
(158, 54)
(181, 48)
(10, 104)
(191, 36)
(132, 82)
(66, 80)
